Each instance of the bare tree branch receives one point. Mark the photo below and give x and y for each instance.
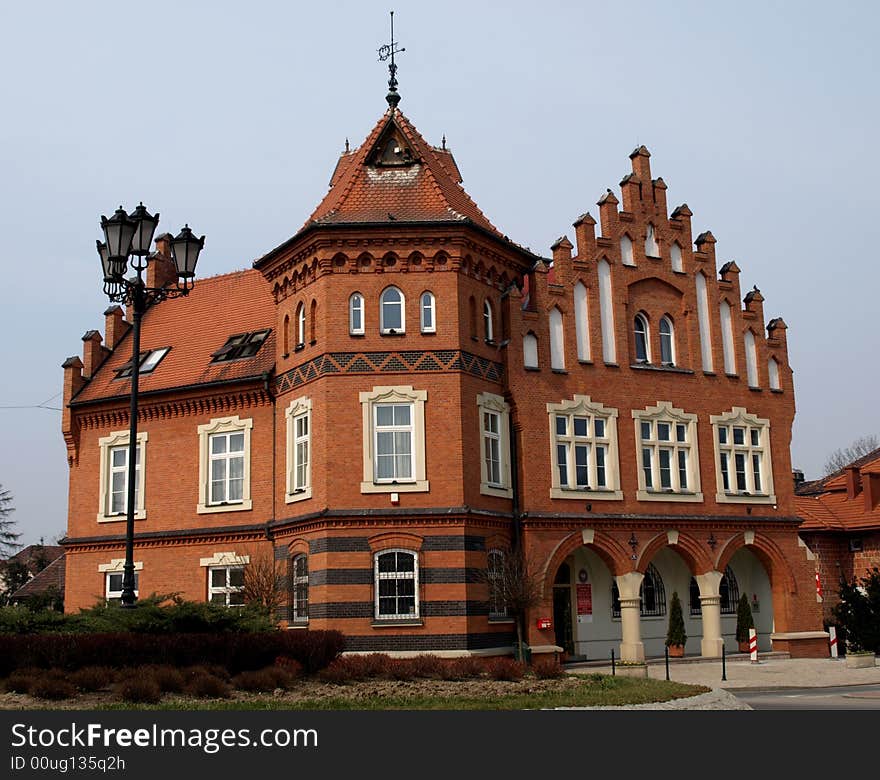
(263, 584)
(843, 457)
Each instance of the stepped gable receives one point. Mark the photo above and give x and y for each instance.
(194, 327)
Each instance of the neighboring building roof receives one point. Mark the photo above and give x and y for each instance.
(825, 504)
(33, 553)
(195, 327)
(52, 576)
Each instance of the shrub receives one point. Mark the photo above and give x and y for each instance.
(262, 680)
(504, 669)
(207, 686)
(169, 679)
(92, 678)
(426, 666)
(21, 680)
(676, 634)
(290, 665)
(142, 689)
(859, 612)
(546, 667)
(463, 668)
(744, 619)
(53, 686)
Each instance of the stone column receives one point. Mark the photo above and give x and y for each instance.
(629, 585)
(710, 603)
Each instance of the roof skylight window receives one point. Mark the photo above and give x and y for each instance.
(147, 362)
(240, 346)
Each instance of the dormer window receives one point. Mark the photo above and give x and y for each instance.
(395, 152)
(147, 362)
(241, 345)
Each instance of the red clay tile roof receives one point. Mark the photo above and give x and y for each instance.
(824, 506)
(52, 576)
(32, 553)
(194, 327)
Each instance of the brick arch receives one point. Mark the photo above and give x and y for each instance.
(297, 547)
(697, 559)
(768, 553)
(612, 553)
(395, 539)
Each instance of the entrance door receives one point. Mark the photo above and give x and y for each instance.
(562, 618)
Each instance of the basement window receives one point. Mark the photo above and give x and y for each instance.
(147, 362)
(242, 345)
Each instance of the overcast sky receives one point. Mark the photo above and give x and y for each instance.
(762, 116)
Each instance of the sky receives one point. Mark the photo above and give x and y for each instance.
(230, 116)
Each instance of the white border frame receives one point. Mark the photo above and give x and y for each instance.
(224, 425)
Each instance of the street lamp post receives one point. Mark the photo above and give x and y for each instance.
(127, 241)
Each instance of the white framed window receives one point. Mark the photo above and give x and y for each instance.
(667, 341)
(225, 465)
(652, 248)
(301, 325)
(582, 322)
(583, 450)
(113, 477)
(626, 250)
(299, 449)
(495, 577)
(396, 585)
(427, 311)
(751, 359)
(675, 257)
(299, 584)
(642, 338)
(668, 457)
(394, 440)
(530, 350)
(392, 311)
(743, 462)
(773, 374)
(226, 585)
(113, 573)
(727, 338)
(494, 416)
(488, 323)
(356, 314)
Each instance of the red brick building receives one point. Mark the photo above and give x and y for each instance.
(392, 394)
(841, 514)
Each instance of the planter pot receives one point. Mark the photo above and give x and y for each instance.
(676, 651)
(859, 660)
(634, 670)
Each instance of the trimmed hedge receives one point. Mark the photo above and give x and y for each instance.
(236, 652)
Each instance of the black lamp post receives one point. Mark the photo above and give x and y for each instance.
(127, 239)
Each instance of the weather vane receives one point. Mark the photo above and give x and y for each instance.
(387, 52)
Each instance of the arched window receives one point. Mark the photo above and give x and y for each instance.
(530, 350)
(313, 318)
(703, 318)
(285, 335)
(356, 314)
(428, 323)
(392, 305)
(495, 575)
(675, 257)
(751, 359)
(643, 347)
(653, 593)
(300, 325)
(488, 324)
(396, 585)
(727, 338)
(696, 606)
(606, 313)
(667, 341)
(299, 580)
(729, 590)
(557, 340)
(626, 250)
(581, 321)
(652, 248)
(773, 374)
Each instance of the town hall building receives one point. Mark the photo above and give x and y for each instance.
(390, 400)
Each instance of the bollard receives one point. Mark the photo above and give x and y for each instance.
(723, 664)
(753, 645)
(612, 664)
(667, 664)
(832, 638)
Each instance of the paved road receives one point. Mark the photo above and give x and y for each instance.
(847, 697)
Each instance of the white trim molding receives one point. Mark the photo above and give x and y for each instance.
(225, 559)
(117, 565)
(107, 443)
(739, 417)
(232, 424)
(394, 394)
(293, 492)
(489, 403)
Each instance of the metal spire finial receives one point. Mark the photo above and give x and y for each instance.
(387, 52)
(347, 149)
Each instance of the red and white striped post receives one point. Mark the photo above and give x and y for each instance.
(753, 645)
(832, 640)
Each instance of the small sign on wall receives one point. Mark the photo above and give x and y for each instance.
(585, 602)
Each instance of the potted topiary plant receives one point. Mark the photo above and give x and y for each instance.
(676, 637)
(744, 621)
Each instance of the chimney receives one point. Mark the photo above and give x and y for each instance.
(660, 195)
(706, 245)
(94, 353)
(161, 270)
(115, 326)
(871, 488)
(562, 260)
(798, 477)
(73, 378)
(585, 237)
(608, 213)
(853, 482)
